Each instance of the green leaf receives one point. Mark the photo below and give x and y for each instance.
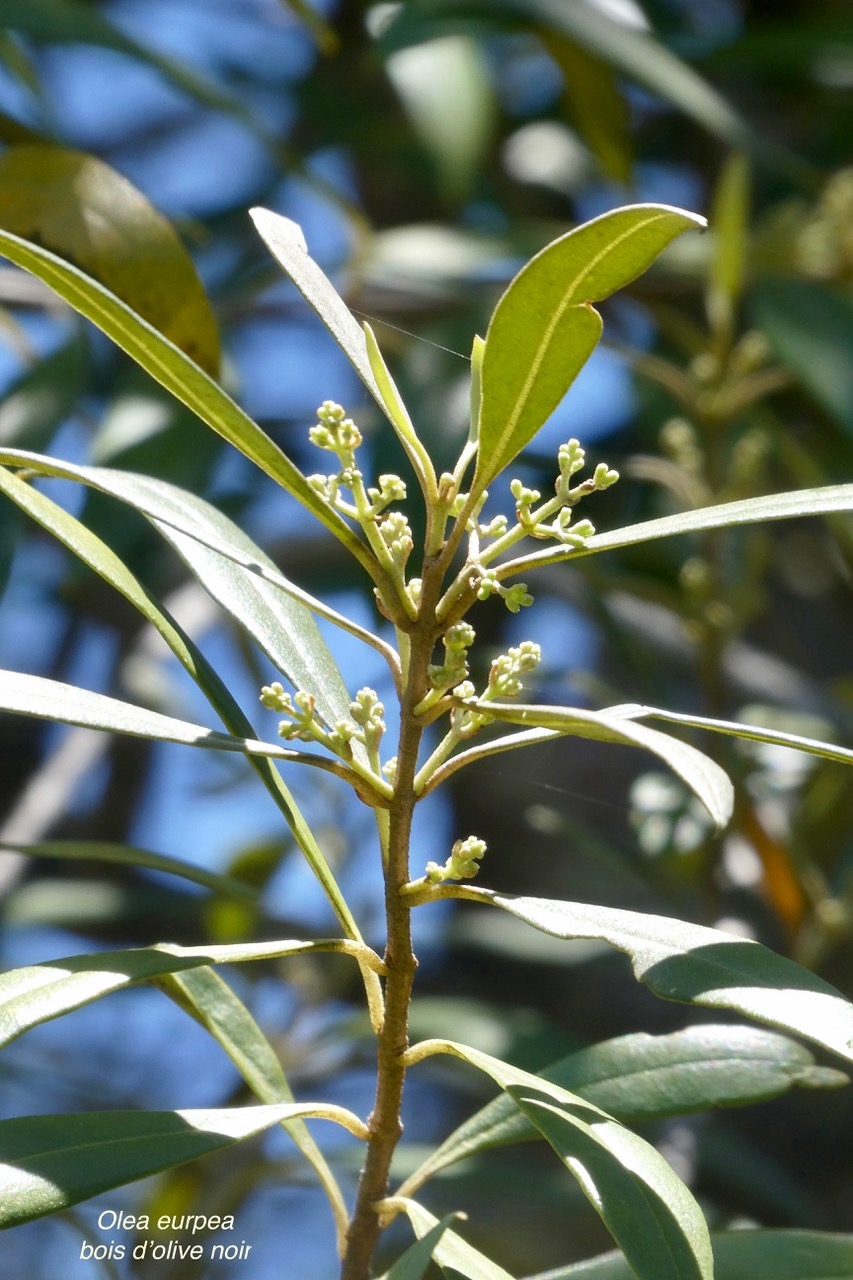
(395, 409)
(596, 103)
(81, 209)
(286, 243)
(412, 1264)
(642, 1077)
(701, 774)
(43, 397)
(185, 380)
(126, 855)
(744, 1255)
(51, 1162)
(773, 506)
(209, 999)
(544, 329)
(645, 1206)
(96, 554)
(37, 993)
(730, 228)
(810, 329)
(452, 1253)
(736, 729)
(697, 965)
(45, 699)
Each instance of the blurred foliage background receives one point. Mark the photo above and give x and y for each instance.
(428, 148)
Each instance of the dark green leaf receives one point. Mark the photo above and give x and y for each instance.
(51, 1162)
(744, 1255)
(413, 1263)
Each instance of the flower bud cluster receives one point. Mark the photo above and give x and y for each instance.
(515, 597)
(463, 863)
(365, 725)
(538, 522)
(505, 675)
(300, 711)
(457, 641)
(368, 714)
(397, 536)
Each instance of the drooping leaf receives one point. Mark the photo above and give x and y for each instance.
(85, 212)
(48, 1163)
(701, 774)
(179, 375)
(208, 998)
(737, 729)
(412, 1264)
(544, 328)
(453, 1254)
(642, 1077)
(37, 993)
(828, 500)
(697, 965)
(128, 856)
(95, 553)
(645, 1206)
(744, 1255)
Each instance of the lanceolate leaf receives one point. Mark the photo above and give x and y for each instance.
(39, 992)
(95, 553)
(645, 1206)
(701, 774)
(48, 1163)
(52, 700)
(641, 1077)
(774, 506)
(736, 729)
(453, 1254)
(744, 1255)
(88, 214)
(179, 375)
(544, 328)
(209, 999)
(697, 965)
(414, 1262)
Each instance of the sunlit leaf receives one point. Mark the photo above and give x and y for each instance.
(179, 375)
(645, 1206)
(51, 1162)
(412, 1264)
(701, 774)
(697, 965)
(737, 729)
(46, 699)
(729, 221)
(642, 1077)
(453, 1254)
(37, 993)
(744, 1255)
(84, 211)
(544, 328)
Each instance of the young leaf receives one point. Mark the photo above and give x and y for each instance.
(736, 729)
(52, 700)
(412, 1264)
(642, 1077)
(544, 328)
(744, 1255)
(48, 1163)
(208, 998)
(697, 965)
(701, 774)
(88, 214)
(453, 1254)
(645, 1206)
(40, 992)
(286, 243)
(184, 379)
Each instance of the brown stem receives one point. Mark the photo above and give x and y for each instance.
(384, 1122)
